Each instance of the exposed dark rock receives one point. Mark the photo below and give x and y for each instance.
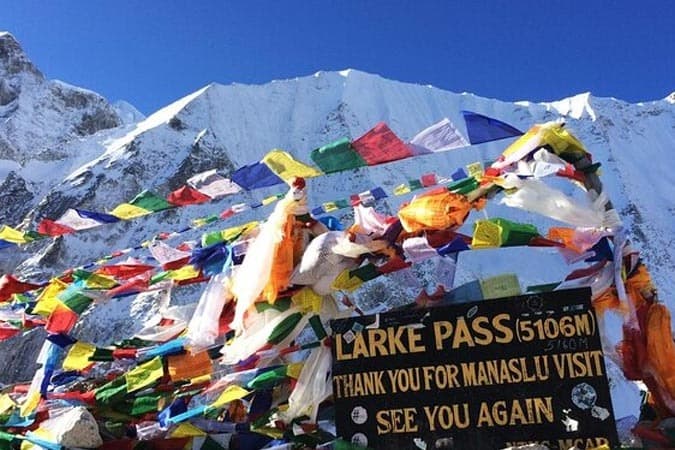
(12, 58)
(15, 199)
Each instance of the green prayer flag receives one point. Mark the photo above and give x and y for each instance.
(140, 405)
(463, 186)
(144, 375)
(282, 330)
(212, 237)
(111, 392)
(317, 326)
(516, 233)
(75, 300)
(341, 204)
(281, 305)
(365, 273)
(415, 184)
(150, 201)
(337, 156)
(268, 379)
(102, 354)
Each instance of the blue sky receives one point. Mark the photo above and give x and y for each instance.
(152, 52)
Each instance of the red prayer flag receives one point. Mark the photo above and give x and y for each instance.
(124, 271)
(125, 353)
(7, 331)
(10, 285)
(428, 179)
(61, 320)
(187, 196)
(229, 212)
(51, 228)
(131, 287)
(380, 145)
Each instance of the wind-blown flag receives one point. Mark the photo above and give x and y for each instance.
(337, 156)
(78, 219)
(380, 145)
(12, 235)
(211, 184)
(439, 137)
(482, 128)
(286, 168)
(187, 196)
(10, 285)
(254, 176)
(52, 228)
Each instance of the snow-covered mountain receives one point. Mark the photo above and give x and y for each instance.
(98, 156)
(39, 118)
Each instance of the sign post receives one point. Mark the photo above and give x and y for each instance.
(480, 375)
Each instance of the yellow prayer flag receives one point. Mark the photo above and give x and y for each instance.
(307, 300)
(48, 300)
(506, 285)
(6, 403)
(186, 429)
(563, 142)
(78, 356)
(233, 392)
(232, 233)
(98, 281)
(10, 234)
(345, 282)
(402, 189)
(184, 273)
(527, 142)
(330, 206)
(32, 402)
(200, 379)
(285, 167)
(293, 370)
(40, 433)
(270, 199)
(127, 211)
(486, 234)
(475, 170)
(145, 374)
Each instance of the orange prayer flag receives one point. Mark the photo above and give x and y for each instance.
(188, 366)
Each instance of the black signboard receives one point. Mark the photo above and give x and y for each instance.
(480, 375)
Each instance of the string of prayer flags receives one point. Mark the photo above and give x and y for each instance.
(378, 145)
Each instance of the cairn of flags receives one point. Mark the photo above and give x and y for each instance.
(249, 365)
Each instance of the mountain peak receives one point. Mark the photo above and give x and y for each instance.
(671, 98)
(577, 107)
(13, 59)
